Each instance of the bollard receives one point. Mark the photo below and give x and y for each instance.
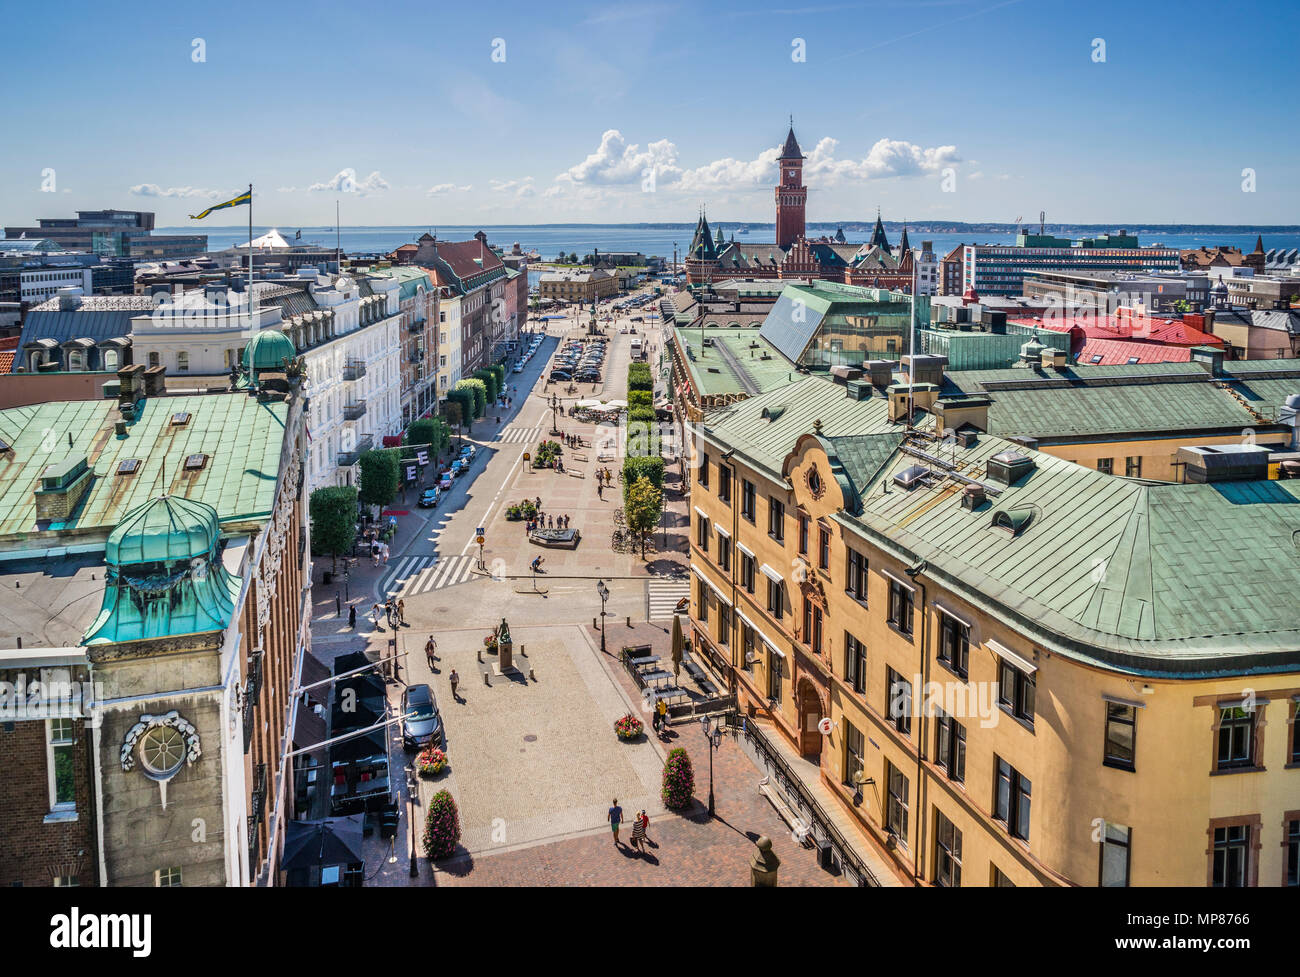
(593, 624)
(485, 680)
(531, 676)
(479, 655)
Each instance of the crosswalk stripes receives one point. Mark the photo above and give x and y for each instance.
(421, 574)
(518, 435)
(662, 597)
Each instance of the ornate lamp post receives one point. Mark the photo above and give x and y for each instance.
(604, 596)
(714, 736)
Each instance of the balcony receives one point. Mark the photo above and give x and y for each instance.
(354, 411)
(416, 356)
(354, 370)
(346, 459)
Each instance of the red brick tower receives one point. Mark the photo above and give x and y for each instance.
(791, 194)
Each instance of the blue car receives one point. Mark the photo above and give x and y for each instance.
(429, 498)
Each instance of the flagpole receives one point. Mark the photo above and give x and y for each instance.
(911, 349)
(252, 326)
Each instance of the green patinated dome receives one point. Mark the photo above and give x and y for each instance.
(165, 529)
(267, 351)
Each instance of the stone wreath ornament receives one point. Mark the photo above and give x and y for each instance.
(186, 744)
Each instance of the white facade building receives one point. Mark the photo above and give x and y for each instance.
(38, 284)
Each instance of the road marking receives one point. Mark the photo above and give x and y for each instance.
(662, 597)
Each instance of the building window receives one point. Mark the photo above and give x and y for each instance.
(703, 601)
(823, 547)
(947, 852)
(899, 702)
(1133, 467)
(724, 624)
(724, 484)
(950, 746)
(999, 880)
(747, 503)
(59, 737)
(748, 647)
(747, 572)
(66, 881)
(775, 519)
(775, 599)
(954, 644)
(1293, 852)
(854, 753)
(182, 361)
(855, 576)
(1114, 856)
(167, 877)
(703, 478)
(773, 675)
(702, 534)
(855, 663)
(803, 534)
(896, 804)
(724, 552)
(154, 359)
(1016, 691)
(900, 607)
(1236, 738)
(1231, 856)
(1121, 735)
(1011, 792)
(1106, 466)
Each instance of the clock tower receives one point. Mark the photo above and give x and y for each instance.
(791, 194)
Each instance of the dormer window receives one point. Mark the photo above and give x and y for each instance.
(195, 462)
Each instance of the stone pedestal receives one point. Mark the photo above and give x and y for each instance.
(505, 655)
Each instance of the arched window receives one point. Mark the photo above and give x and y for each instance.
(110, 359)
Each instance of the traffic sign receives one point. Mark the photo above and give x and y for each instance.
(480, 540)
(825, 725)
(480, 531)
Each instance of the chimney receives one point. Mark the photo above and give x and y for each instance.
(1211, 357)
(925, 368)
(881, 372)
(155, 381)
(972, 497)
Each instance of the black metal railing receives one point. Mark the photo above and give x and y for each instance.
(252, 691)
(354, 411)
(824, 832)
(354, 369)
(256, 806)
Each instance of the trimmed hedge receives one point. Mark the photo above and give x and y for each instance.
(640, 398)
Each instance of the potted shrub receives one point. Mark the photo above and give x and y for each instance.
(431, 761)
(490, 643)
(679, 780)
(628, 727)
(441, 826)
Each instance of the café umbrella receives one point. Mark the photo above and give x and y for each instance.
(678, 646)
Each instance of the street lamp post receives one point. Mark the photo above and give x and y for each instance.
(714, 737)
(604, 596)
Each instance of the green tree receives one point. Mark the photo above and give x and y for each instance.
(643, 505)
(643, 467)
(379, 472)
(640, 398)
(478, 391)
(1182, 306)
(333, 520)
(491, 386)
(459, 408)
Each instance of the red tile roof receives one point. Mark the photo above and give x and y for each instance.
(468, 258)
(1174, 332)
(1114, 352)
(7, 361)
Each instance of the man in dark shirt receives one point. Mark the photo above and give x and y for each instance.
(615, 819)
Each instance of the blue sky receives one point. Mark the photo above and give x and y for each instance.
(402, 113)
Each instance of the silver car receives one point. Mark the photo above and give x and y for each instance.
(421, 722)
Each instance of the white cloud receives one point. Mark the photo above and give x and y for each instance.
(345, 181)
(616, 162)
(154, 190)
(520, 188)
(887, 158)
(977, 175)
(448, 188)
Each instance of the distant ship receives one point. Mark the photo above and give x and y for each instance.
(743, 230)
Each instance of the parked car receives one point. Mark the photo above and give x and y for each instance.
(429, 498)
(587, 376)
(467, 453)
(561, 375)
(457, 468)
(421, 721)
(444, 480)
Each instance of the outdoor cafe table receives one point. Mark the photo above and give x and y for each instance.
(646, 660)
(668, 692)
(658, 675)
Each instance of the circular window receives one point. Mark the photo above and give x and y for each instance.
(162, 752)
(814, 481)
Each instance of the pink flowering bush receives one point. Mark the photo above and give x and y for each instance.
(441, 826)
(679, 780)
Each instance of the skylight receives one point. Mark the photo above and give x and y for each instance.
(195, 462)
(180, 418)
(128, 466)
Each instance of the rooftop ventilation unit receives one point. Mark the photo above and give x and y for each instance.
(1009, 467)
(910, 477)
(973, 496)
(858, 389)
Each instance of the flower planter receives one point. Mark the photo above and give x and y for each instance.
(431, 762)
(629, 728)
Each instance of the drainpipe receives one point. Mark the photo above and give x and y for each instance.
(735, 559)
(918, 871)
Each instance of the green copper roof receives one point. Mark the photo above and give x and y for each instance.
(232, 442)
(164, 529)
(267, 350)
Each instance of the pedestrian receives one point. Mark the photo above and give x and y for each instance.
(338, 605)
(374, 615)
(615, 819)
(352, 617)
(401, 611)
(431, 651)
(638, 833)
(661, 714)
(454, 679)
(645, 828)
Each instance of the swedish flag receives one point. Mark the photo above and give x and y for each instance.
(243, 198)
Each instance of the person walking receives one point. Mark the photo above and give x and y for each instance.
(615, 819)
(401, 611)
(352, 617)
(431, 652)
(638, 833)
(661, 714)
(454, 679)
(374, 615)
(338, 605)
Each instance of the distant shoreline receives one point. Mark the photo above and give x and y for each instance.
(929, 227)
